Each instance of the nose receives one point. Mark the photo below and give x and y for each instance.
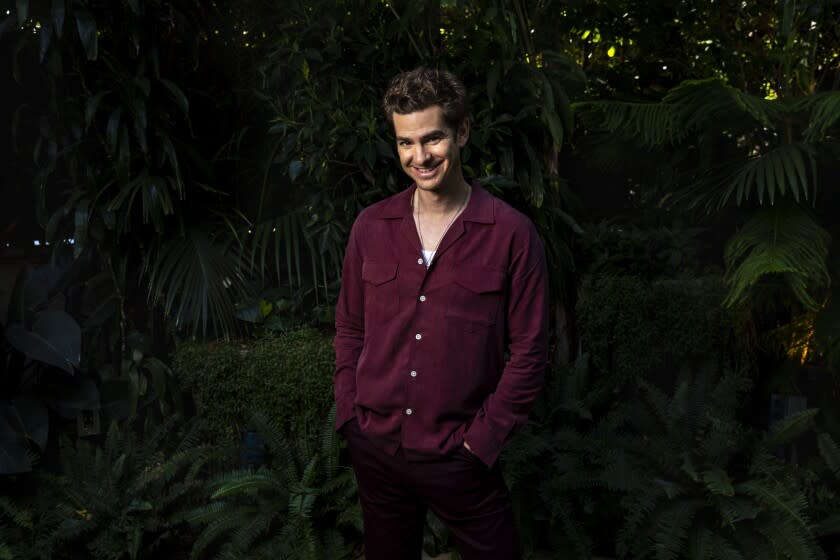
(421, 154)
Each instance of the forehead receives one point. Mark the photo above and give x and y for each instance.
(419, 123)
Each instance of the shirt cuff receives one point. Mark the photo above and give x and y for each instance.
(482, 443)
(344, 411)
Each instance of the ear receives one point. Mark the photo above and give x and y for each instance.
(463, 133)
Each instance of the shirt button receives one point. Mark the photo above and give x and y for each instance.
(413, 374)
(408, 411)
(422, 298)
(419, 261)
(418, 336)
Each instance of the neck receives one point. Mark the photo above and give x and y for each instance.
(443, 200)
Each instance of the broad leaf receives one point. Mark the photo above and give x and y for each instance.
(55, 339)
(86, 25)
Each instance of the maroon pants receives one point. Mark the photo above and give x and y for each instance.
(470, 499)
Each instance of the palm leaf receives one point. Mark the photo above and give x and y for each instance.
(772, 174)
(781, 240)
(197, 279)
(824, 113)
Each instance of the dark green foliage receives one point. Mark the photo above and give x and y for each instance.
(287, 375)
(119, 500)
(554, 467)
(297, 508)
(628, 250)
(639, 328)
(17, 530)
(697, 484)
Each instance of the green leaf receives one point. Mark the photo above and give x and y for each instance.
(829, 452)
(554, 126)
(718, 482)
(112, 129)
(92, 105)
(295, 169)
(44, 38)
(22, 10)
(86, 25)
(493, 76)
(57, 11)
(55, 339)
(177, 95)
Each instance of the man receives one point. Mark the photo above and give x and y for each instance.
(440, 338)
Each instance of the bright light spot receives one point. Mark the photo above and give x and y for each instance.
(37, 25)
(611, 52)
(244, 32)
(664, 66)
(813, 25)
(533, 31)
(273, 229)
(36, 243)
(8, 12)
(249, 231)
(636, 77)
(70, 241)
(8, 244)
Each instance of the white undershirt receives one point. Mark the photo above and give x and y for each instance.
(428, 256)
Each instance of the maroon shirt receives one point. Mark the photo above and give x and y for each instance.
(421, 353)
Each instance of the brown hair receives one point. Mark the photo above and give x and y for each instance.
(422, 88)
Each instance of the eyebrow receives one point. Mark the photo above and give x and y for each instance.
(425, 137)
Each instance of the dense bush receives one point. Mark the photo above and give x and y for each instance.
(287, 375)
(631, 326)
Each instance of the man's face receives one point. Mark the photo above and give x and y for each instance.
(429, 149)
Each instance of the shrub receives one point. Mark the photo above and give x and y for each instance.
(287, 375)
(632, 327)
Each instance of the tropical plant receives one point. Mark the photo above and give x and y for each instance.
(554, 466)
(298, 507)
(699, 484)
(747, 150)
(17, 531)
(120, 500)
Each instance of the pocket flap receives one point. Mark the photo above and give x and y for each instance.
(377, 272)
(480, 279)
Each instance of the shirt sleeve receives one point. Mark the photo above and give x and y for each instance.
(349, 330)
(506, 409)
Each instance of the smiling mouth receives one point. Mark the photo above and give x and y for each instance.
(426, 171)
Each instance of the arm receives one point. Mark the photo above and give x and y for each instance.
(349, 330)
(526, 314)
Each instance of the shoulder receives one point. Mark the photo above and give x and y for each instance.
(512, 220)
(393, 206)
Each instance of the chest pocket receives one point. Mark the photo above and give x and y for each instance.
(475, 297)
(381, 294)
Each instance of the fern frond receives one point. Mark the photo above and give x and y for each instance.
(789, 428)
(718, 482)
(783, 240)
(671, 527)
(789, 505)
(829, 452)
(248, 482)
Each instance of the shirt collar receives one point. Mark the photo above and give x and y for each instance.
(479, 209)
